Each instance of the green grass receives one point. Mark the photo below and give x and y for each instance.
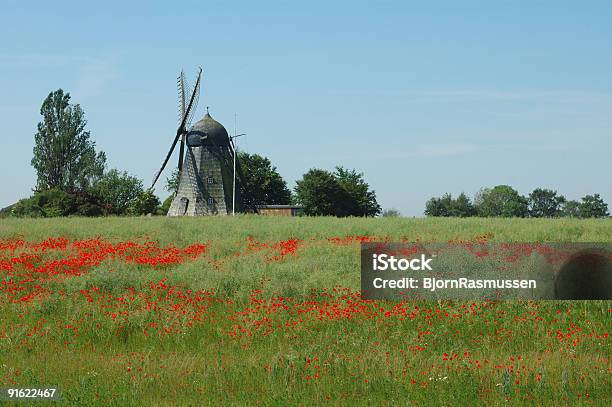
(232, 229)
(368, 358)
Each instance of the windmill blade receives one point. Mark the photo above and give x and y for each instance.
(195, 96)
(181, 154)
(195, 104)
(182, 84)
(184, 91)
(179, 133)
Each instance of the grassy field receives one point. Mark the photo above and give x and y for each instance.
(261, 310)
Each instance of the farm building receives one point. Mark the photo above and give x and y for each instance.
(279, 210)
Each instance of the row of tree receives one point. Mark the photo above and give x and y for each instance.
(72, 178)
(505, 201)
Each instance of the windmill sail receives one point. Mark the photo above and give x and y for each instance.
(196, 92)
(176, 139)
(182, 129)
(183, 91)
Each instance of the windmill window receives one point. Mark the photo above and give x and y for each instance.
(211, 201)
(211, 180)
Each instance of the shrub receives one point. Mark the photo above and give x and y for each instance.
(53, 203)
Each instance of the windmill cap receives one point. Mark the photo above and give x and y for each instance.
(214, 130)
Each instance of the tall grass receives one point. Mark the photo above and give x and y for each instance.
(182, 230)
(559, 351)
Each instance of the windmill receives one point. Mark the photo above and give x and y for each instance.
(188, 100)
(206, 177)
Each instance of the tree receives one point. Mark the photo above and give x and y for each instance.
(362, 201)
(261, 182)
(391, 213)
(462, 207)
(64, 156)
(165, 206)
(500, 201)
(447, 206)
(172, 182)
(439, 206)
(319, 192)
(117, 191)
(571, 209)
(341, 193)
(144, 204)
(545, 203)
(592, 206)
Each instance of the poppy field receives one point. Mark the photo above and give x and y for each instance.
(262, 310)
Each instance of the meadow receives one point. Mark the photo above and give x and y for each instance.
(264, 310)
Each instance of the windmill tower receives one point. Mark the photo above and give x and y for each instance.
(206, 177)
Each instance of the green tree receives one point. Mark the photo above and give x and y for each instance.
(391, 213)
(172, 182)
(165, 206)
(64, 155)
(571, 209)
(362, 200)
(545, 203)
(144, 204)
(117, 191)
(439, 206)
(500, 201)
(462, 207)
(319, 192)
(261, 183)
(447, 206)
(593, 206)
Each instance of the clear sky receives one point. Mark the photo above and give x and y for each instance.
(423, 97)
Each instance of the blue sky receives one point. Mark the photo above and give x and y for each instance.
(423, 97)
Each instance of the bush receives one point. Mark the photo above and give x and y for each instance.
(118, 192)
(89, 209)
(53, 203)
(165, 207)
(144, 204)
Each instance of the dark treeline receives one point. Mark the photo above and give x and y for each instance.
(505, 201)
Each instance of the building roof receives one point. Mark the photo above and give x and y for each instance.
(279, 207)
(214, 130)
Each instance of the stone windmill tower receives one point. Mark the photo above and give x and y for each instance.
(206, 176)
